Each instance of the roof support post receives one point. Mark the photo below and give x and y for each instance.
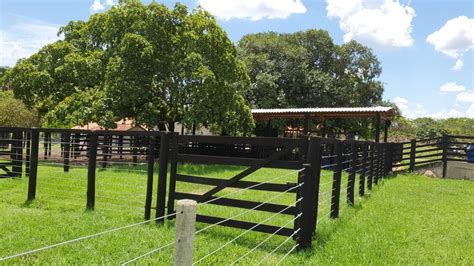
(386, 127)
(377, 128)
(306, 124)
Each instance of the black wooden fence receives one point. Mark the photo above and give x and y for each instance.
(422, 152)
(353, 167)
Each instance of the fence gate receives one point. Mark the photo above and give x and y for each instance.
(254, 154)
(11, 152)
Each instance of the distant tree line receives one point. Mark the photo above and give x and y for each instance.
(425, 127)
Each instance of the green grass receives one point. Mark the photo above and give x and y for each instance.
(406, 219)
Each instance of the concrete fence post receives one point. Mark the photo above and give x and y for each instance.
(185, 229)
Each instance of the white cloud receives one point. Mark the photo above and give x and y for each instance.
(454, 39)
(97, 6)
(459, 65)
(253, 9)
(470, 111)
(410, 110)
(467, 96)
(417, 110)
(380, 23)
(100, 5)
(25, 38)
(452, 87)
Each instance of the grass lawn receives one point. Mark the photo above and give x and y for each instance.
(406, 219)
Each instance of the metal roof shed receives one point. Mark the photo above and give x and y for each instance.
(322, 114)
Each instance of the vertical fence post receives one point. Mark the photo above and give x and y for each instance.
(388, 158)
(33, 164)
(67, 150)
(150, 174)
(120, 146)
(412, 155)
(352, 173)
(445, 146)
(336, 182)
(163, 170)
(370, 175)
(308, 206)
(93, 142)
(28, 152)
(134, 140)
(173, 171)
(377, 163)
(185, 231)
(363, 169)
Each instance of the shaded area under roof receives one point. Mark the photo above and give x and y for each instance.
(324, 113)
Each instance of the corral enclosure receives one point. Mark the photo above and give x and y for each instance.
(251, 184)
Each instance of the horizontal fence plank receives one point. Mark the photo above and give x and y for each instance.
(261, 141)
(429, 139)
(270, 229)
(460, 137)
(428, 145)
(428, 161)
(240, 184)
(244, 204)
(428, 156)
(429, 150)
(208, 159)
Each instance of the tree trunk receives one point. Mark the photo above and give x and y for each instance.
(161, 126)
(171, 126)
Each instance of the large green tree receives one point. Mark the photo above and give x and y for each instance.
(147, 62)
(307, 69)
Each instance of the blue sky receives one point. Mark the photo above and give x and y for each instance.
(426, 47)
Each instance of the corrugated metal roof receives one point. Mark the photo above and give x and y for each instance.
(376, 109)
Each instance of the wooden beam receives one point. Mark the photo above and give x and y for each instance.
(386, 127)
(377, 128)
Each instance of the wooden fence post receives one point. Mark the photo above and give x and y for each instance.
(185, 231)
(66, 151)
(162, 175)
(370, 176)
(310, 192)
(412, 155)
(173, 171)
(33, 164)
(336, 182)
(352, 173)
(377, 155)
(91, 170)
(388, 158)
(445, 146)
(363, 169)
(150, 174)
(45, 145)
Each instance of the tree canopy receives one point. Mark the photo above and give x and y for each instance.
(147, 62)
(13, 113)
(307, 69)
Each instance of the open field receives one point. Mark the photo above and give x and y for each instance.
(406, 219)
